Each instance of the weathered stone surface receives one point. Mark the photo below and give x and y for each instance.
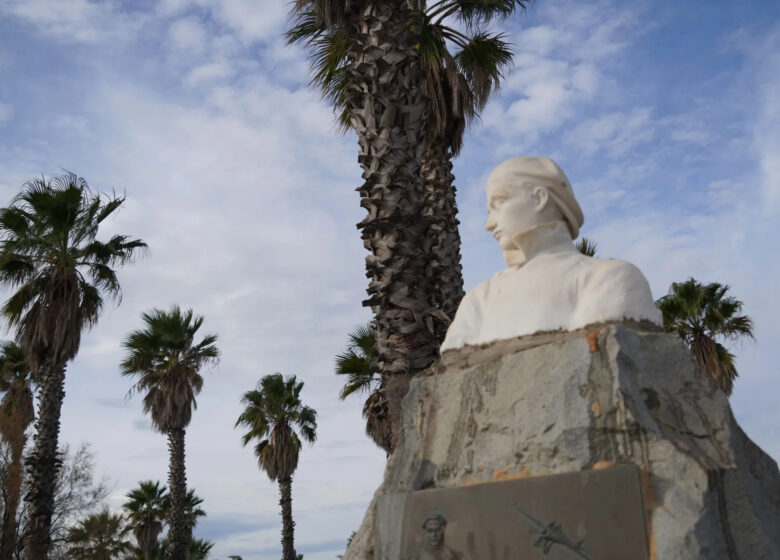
(589, 400)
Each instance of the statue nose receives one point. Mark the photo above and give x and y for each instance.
(491, 223)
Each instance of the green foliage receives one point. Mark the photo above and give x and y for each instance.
(359, 365)
(700, 313)
(199, 549)
(271, 415)
(359, 362)
(192, 509)
(17, 382)
(100, 536)
(50, 254)
(587, 247)
(166, 361)
(457, 85)
(146, 508)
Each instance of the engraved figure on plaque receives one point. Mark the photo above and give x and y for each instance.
(434, 547)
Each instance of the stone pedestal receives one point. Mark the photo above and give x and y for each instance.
(591, 399)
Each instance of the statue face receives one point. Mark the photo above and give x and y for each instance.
(512, 209)
(434, 533)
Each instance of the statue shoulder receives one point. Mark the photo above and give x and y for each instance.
(609, 272)
(611, 289)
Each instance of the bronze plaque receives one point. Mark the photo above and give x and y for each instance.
(591, 515)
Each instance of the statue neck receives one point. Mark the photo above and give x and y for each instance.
(550, 237)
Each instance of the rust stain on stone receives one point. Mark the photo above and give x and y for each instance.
(593, 340)
(499, 475)
(596, 409)
(603, 465)
(650, 503)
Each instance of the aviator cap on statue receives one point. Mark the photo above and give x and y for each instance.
(543, 171)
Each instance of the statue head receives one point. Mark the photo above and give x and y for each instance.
(433, 526)
(524, 192)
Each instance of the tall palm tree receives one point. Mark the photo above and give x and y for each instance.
(409, 224)
(16, 415)
(100, 536)
(146, 511)
(358, 363)
(50, 255)
(387, 109)
(700, 313)
(271, 415)
(166, 361)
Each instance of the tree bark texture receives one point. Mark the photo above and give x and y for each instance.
(442, 212)
(387, 110)
(179, 533)
(44, 463)
(13, 490)
(288, 525)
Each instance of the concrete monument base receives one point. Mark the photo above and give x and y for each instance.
(587, 400)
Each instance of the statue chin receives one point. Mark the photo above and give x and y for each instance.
(548, 285)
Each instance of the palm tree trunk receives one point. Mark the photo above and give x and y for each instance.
(442, 211)
(13, 490)
(44, 465)
(179, 534)
(387, 110)
(288, 525)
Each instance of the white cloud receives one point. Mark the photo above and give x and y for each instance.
(615, 133)
(75, 21)
(252, 20)
(767, 134)
(6, 112)
(188, 34)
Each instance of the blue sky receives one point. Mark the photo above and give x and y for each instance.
(665, 116)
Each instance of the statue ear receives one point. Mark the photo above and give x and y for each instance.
(541, 197)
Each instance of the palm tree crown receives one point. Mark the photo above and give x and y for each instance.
(699, 313)
(166, 361)
(146, 509)
(100, 536)
(457, 85)
(16, 384)
(271, 414)
(359, 364)
(49, 251)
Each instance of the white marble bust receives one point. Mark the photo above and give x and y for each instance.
(548, 285)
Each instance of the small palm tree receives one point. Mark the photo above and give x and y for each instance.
(199, 549)
(271, 414)
(700, 313)
(146, 511)
(358, 363)
(192, 509)
(166, 361)
(50, 255)
(100, 536)
(587, 247)
(16, 415)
